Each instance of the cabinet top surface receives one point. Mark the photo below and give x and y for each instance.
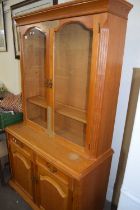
(63, 156)
(57, 152)
(76, 8)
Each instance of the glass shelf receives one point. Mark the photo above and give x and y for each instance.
(71, 112)
(38, 100)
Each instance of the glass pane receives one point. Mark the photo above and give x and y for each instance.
(72, 69)
(34, 74)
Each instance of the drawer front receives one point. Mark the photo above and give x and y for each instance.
(52, 170)
(53, 192)
(17, 145)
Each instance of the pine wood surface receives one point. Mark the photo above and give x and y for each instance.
(38, 100)
(106, 63)
(71, 112)
(55, 151)
(65, 148)
(77, 8)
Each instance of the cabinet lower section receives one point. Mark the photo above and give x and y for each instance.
(45, 187)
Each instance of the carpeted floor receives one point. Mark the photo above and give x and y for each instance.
(10, 200)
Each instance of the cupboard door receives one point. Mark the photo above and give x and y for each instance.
(53, 192)
(22, 172)
(36, 73)
(73, 53)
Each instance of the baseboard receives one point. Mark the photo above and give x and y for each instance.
(109, 194)
(128, 201)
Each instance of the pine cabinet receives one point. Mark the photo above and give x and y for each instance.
(71, 59)
(22, 167)
(38, 179)
(54, 186)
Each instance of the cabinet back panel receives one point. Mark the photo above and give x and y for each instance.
(70, 129)
(37, 114)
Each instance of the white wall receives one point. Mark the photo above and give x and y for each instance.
(9, 66)
(131, 60)
(130, 191)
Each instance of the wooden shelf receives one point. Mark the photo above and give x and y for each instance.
(40, 122)
(71, 112)
(73, 137)
(38, 100)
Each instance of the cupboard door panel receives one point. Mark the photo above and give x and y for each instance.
(55, 198)
(73, 53)
(53, 192)
(35, 48)
(22, 172)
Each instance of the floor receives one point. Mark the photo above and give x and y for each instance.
(10, 200)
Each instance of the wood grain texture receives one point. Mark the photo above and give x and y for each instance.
(77, 8)
(90, 193)
(110, 73)
(52, 149)
(78, 48)
(52, 186)
(22, 172)
(48, 177)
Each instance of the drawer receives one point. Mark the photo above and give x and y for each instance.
(52, 170)
(17, 145)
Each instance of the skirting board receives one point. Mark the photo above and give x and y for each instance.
(128, 201)
(109, 194)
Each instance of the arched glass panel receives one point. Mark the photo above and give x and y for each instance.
(73, 45)
(34, 55)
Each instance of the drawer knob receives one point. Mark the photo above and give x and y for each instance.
(51, 168)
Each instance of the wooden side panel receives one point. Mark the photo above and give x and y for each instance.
(106, 83)
(117, 27)
(89, 194)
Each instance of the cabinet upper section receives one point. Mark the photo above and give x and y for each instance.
(77, 8)
(71, 59)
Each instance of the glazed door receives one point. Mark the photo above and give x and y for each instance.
(36, 74)
(53, 192)
(73, 42)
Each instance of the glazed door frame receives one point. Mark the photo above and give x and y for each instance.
(99, 26)
(44, 28)
(91, 24)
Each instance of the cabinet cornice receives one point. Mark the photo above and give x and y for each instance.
(76, 8)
